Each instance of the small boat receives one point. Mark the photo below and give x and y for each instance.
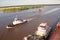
(41, 33)
(16, 22)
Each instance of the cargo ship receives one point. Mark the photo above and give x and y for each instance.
(41, 33)
(56, 33)
(16, 21)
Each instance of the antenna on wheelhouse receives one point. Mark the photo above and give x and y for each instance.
(16, 17)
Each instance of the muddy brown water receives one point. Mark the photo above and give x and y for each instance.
(25, 29)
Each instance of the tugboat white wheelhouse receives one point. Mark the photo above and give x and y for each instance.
(41, 33)
(16, 22)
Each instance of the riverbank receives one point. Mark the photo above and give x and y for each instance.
(18, 8)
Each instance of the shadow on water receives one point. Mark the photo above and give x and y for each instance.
(53, 28)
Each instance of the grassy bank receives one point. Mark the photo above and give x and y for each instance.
(18, 8)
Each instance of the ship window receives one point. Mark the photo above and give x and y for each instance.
(43, 26)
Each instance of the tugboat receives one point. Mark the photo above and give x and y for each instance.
(16, 22)
(41, 33)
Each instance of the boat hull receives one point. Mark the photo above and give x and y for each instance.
(13, 26)
(56, 34)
